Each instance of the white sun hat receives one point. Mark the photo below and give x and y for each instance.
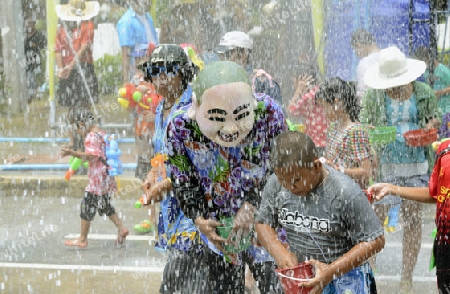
(232, 40)
(393, 69)
(77, 10)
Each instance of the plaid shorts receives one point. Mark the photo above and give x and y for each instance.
(91, 203)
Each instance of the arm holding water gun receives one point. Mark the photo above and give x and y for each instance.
(75, 164)
(157, 183)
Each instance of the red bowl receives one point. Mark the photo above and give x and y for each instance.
(369, 196)
(420, 138)
(291, 277)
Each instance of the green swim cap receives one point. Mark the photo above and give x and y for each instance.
(218, 73)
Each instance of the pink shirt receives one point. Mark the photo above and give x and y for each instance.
(313, 117)
(100, 182)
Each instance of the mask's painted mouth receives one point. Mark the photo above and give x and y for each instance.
(228, 138)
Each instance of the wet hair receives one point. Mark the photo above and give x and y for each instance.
(362, 36)
(293, 148)
(83, 115)
(187, 71)
(336, 88)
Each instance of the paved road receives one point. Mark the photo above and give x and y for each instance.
(33, 258)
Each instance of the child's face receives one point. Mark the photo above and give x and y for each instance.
(300, 181)
(332, 111)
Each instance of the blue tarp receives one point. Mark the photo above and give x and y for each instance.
(387, 20)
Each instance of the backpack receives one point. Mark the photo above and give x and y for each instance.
(112, 154)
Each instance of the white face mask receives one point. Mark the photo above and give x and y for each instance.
(226, 114)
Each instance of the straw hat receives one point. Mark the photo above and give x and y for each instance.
(393, 69)
(77, 10)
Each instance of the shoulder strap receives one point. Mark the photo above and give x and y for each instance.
(104, 150)
(443, 152)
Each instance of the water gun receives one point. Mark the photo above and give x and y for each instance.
(141, 202)
(158, 162)
(295, 127)
(392, 219)
(113, 154)
(74, 165)
(141, 98)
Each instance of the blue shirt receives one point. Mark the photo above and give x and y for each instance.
(403, 115)
(132, 32)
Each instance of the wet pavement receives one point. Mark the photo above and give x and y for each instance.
(33, 258)
(39, 210)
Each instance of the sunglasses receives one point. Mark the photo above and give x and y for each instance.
(171, 70)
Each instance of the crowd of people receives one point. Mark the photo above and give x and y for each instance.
(222, 128)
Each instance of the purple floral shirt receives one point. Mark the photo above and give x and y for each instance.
(214, 181)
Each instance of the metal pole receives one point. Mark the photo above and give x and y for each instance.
(433, 43)
(410, 26)
(52, 25)
(14, 56)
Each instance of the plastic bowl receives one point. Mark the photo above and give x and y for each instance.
(224, 232)
(290, 277)
(420, 137)
(369, 196)
(383, 135)
(298, 128)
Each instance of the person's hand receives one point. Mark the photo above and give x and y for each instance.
(433, 123)
(303, 84)
(59, 73)
(65, 151)
(438, 94)
(243, 224)
(208, 228)
(380, 190)
(156, 191)
(149, 181)
(65, 72)
(321, 278)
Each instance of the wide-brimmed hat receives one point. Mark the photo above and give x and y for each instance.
(232, 40)
(393, 69)
(77, 10)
